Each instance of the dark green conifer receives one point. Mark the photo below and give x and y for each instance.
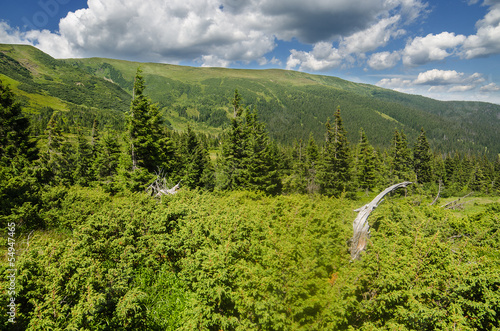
(150, 147)
(335, 172)
(401, 160)
(422, 159)
(105, 164)
(259, 166)
(311, 165)
(15, 140)
(57, 156)
(196, 162)
(83, 159)
(246, 161)
(367, 163)
(230, 173)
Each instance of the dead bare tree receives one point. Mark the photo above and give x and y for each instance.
(360, 225)
(437, 196)
(159, 187)
(455, 203)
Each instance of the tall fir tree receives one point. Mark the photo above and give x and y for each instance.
(246, 160)
(311, 165)
(295, 181)
(82, 161)
(15, 140)
(366, 163)
(198, 170)
(260, 168)
(57, 156)
(19, 170)
(335, 172)
(401, 158)
(150, 147)
(105, 165)
(422, 159)
(230, 172)
(496, 175)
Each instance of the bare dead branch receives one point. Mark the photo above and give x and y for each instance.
(455, 203)
(437, 196)
(159, 187)
(360, 225)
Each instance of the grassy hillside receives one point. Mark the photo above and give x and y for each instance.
(292, 104)
(43, 84)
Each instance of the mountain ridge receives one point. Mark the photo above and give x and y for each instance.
(291, 103)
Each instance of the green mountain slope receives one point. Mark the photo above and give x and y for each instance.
(292, 104)
(43, 84)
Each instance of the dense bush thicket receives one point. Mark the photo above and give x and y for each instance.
(246, 261)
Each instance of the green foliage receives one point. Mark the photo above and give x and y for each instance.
(149, 146)
(101, 275)
(247, 261)
(425, 271)
(367, 165)
(335, 170)
(249, 159)
(422, 159)
(198, 170)
(15, 140)
(401, 158)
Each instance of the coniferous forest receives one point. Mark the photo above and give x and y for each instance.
(256, 236)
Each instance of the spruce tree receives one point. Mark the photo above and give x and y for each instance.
(367, 163)
(260, 169)
(335, 173)
(246, 160)
(57, 156)
(15, 140)
(196, 162)
(422, 159)
(150, 147)
(296, 182)
(19, 170)
(105, 165)
(496, 176)
(230, 173)
(401, 159)
(311, 165)
(83, 159)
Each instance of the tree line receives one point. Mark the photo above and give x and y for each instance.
(242, 158)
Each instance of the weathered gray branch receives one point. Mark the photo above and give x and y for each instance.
(438, 195)
(455, 203)
(360, 224)
(159, 187)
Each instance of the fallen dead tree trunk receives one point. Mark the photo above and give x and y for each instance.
(360, 224)
(455, 203)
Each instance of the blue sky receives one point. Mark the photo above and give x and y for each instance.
(446, 49)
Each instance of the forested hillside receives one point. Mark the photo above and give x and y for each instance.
(146, 218)
(292, 104)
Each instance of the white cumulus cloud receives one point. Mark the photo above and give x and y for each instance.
(432, 47)
(214, 32)
(384, 60)
(486, 41)
(322, 57)
(439, 77)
